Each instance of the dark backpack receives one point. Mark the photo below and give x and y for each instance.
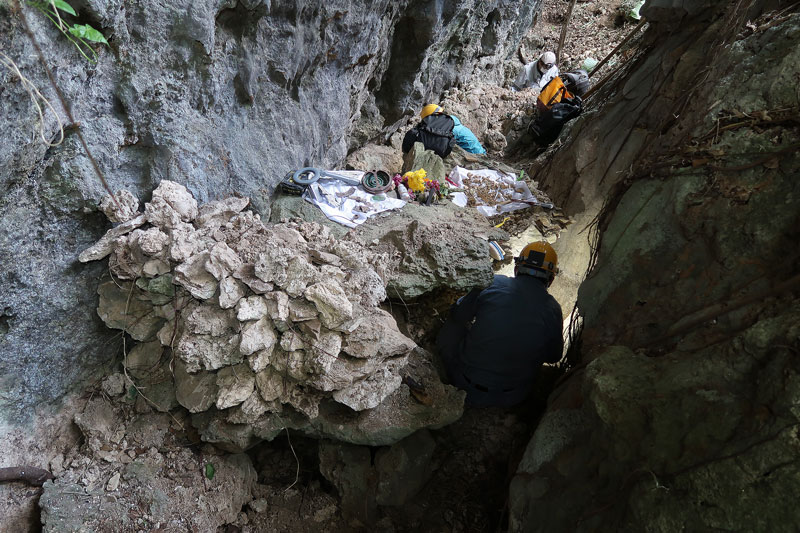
(577, 81)
(547, 126)
(435, 132)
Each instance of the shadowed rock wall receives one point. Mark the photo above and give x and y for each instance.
(682, 415)
(221, 96)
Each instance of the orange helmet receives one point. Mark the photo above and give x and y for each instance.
(538, 259)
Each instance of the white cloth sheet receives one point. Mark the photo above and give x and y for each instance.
(348, 205)
(517, 190)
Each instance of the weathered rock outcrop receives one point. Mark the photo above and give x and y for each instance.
(221, 96)
(264, 323)
(682, 414)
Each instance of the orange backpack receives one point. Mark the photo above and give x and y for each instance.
(552, 93)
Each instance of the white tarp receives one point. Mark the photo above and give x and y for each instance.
(508, 190)
(349, 205)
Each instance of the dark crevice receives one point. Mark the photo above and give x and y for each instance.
(239, 21)
(490, 37)
(411, 38)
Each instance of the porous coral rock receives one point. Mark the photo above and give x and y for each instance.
(272, 263)
(249, 411)
(235, 384)
(218, 213)
(106, 244)
(377, 337)
(295, 321)
(207, 352)
(291, 341)
(230, 292)
(259, 360)
(257, 336)
(193, 275)
(301, 310)
(183, 242)
(222, 261)
(369, 392)
(171, 204)
(278, 306)
(121, 207)
(331, 301)
(208, 319)
(373, 288)
(246, 273)
(251, 308)
(300, 274)
(151, 241)
(272, 385)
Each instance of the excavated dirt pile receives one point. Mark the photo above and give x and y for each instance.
(255, 327)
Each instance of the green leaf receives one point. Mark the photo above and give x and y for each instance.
(210, 471)
(87, 32)
(63, 6)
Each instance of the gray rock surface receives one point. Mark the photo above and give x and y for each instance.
(676, 419)
(420, 158)
(396, 474)
(429, 247)
(220, 96)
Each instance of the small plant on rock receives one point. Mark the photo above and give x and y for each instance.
(80, 35)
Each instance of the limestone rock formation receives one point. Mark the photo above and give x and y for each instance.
(304, 328)
(223, 97)
(682, 414)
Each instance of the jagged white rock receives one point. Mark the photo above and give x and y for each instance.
(369, 392)
(260, 318)
(192, 274)
(251, 308)
(231, 291)
(257, 336)
(105, 245)
(331, 301)
(122, 207)
(235, 384)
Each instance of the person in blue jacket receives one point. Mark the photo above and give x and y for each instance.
(437, 129)
(496, 339)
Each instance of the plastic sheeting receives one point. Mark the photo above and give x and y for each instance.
(508, 188)
(348, 205)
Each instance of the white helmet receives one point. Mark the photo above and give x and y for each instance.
(548, 59)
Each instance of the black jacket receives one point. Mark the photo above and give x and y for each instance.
(517, 327)
(435, 132)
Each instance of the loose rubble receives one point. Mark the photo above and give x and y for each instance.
(264, 322)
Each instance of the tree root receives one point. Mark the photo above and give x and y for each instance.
(30, 474)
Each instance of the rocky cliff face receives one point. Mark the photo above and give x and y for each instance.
(221, 96)
(683, 412)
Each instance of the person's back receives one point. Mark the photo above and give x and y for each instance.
(517, 328)
(435, 132)
(495, 339)
(439, 132)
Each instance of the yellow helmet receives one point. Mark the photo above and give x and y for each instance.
(429, 110)
(538, 259)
